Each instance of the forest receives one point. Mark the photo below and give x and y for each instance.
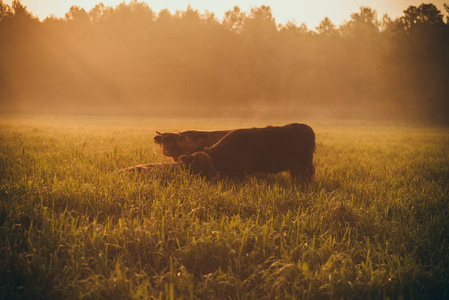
(129, 59)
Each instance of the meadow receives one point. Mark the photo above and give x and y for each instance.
(373, 225)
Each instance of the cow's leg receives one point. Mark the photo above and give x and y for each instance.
(303, 172)
(150, 166)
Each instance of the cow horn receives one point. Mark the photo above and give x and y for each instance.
(158, 132)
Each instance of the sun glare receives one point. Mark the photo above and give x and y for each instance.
(300, 11)
(132, 57)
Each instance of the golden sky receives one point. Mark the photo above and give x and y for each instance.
(310, 12)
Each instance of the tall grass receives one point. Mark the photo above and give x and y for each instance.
(374, 224)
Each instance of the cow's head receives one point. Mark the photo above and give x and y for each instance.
(199, 163)
(172, 144)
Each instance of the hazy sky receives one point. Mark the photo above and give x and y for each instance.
(310, 12)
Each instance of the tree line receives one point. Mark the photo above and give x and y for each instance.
(131, 59)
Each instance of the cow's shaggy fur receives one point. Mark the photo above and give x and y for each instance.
(199, 163)
(270, 149)
(187, 142)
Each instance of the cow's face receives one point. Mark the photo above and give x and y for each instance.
(172, 144)
(199, 163)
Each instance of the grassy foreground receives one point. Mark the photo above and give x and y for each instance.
(374, 224)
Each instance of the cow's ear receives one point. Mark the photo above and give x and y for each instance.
(157, 139)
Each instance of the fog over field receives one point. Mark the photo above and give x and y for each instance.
(130, 59)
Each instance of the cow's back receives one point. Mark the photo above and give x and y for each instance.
(198, 140)
(271, 149)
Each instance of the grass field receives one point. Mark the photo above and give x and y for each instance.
(374, 224)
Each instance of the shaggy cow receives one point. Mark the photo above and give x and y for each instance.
(187, 142)
(270, 149)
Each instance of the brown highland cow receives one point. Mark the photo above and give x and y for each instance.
(270, 149)
(187, 142)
